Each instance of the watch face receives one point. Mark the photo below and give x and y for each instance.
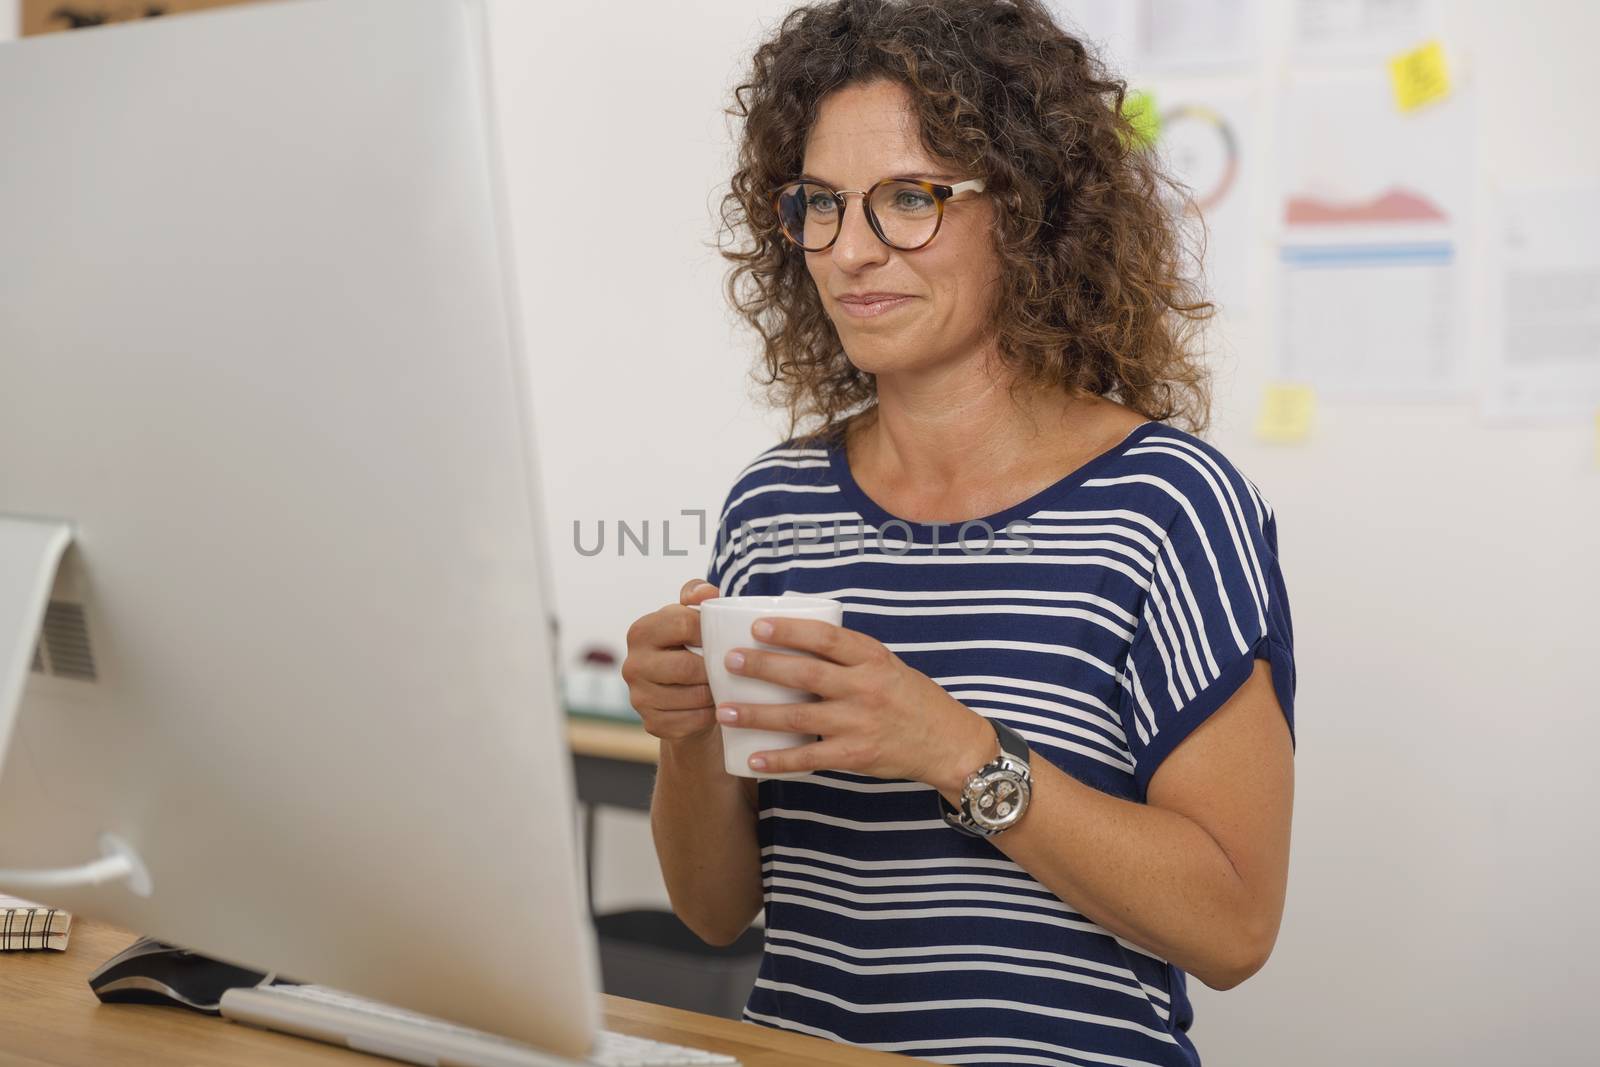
(998, 800)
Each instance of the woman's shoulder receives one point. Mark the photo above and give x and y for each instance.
(1177, 477)
(782, 461)
(793, 465)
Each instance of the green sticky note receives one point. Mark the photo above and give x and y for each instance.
(1139, 108)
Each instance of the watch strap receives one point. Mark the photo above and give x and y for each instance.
(1011, 742)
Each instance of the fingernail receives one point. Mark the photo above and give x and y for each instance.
(735, 661)
(762, 629)
(757, 763)
(727, 713)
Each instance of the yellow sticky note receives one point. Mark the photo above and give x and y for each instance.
(1139, 108)
(1286, 413)
(1420, 76)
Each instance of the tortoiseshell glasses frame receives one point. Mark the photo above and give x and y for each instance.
(938, 192)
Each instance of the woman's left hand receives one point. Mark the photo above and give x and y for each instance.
(875, 716)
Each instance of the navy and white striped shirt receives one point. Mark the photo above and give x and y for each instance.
(1114, 611)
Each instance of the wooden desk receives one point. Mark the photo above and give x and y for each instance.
(612, 740)
(49, 1018)
(614, 763)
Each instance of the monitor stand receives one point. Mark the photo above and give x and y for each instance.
(30, 552)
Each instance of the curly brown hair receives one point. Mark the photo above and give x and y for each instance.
(1093, 296)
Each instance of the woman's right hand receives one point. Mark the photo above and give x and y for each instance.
(667, 683)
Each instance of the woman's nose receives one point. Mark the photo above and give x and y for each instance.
(857, 243)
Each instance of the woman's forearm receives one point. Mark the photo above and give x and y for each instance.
(704, 824)
(1151, 876)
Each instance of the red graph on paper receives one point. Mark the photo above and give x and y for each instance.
(1396, 205)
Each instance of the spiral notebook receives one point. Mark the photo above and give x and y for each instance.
(25, 925)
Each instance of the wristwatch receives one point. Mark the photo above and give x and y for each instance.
(995, 796)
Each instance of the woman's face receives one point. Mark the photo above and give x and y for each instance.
(864, 133)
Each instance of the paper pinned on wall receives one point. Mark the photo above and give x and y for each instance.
(1137, 37)
(1420, 76)
(1373, 205)
(1287, 413)
(1352, 31)
(1543, 313)
(1207, 143)
(1199, 35)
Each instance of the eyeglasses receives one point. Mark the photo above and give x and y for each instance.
(905, 213)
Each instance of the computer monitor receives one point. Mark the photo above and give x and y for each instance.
(260, 360)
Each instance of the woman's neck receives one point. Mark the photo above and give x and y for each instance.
(966, 432)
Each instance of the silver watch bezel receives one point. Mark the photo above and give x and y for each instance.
(987, 780)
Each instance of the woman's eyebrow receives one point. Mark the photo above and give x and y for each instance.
(896, 174)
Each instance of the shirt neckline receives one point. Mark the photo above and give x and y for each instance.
(839, 465)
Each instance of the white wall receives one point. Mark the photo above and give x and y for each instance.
(1440, 567)
(642, 401)
(1442, 571)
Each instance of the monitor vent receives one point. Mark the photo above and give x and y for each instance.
(66, 642)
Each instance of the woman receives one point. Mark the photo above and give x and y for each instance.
(1045, 578)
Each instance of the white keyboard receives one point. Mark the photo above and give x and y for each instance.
(370, 1026)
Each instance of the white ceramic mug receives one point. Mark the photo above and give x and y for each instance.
(724, 626)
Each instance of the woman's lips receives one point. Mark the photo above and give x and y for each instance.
(871, 309)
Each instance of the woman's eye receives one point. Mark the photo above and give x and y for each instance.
(820, 204)
(913, 201)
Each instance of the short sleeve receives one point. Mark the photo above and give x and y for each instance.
(736, 541)
(739, 507)
(720, 557)
(723, 555)
(1215, 605)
